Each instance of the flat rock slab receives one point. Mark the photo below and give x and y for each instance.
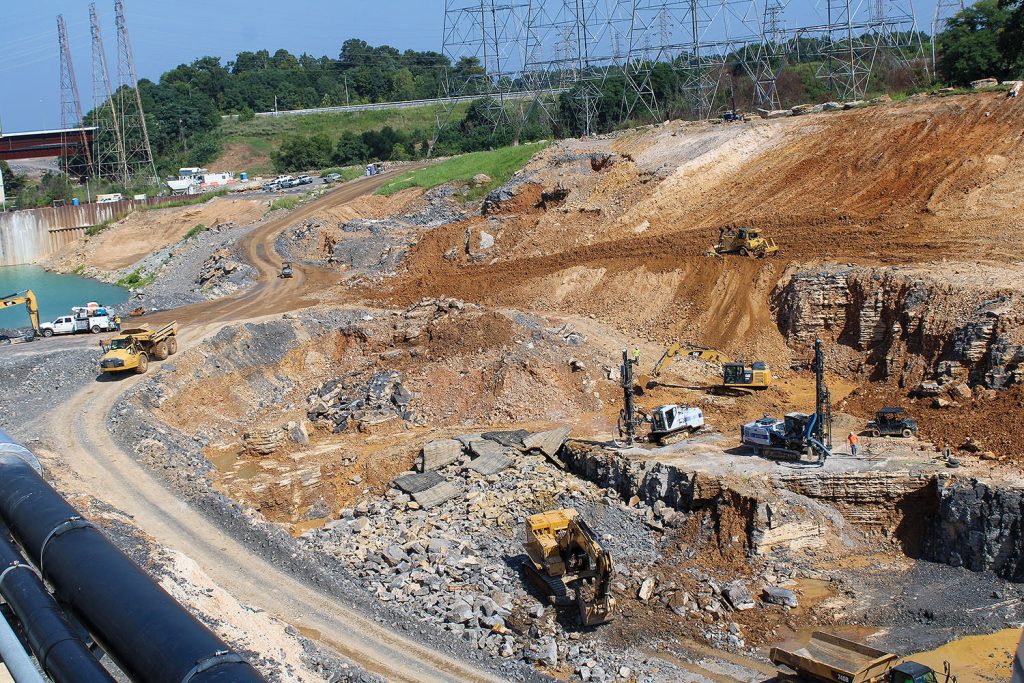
(481, 447)
(437, 454)
(491, 463)
(549, 442)
(437, 494)
(415, 483)
(511, 439)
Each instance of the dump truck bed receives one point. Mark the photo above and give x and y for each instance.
(830, 658)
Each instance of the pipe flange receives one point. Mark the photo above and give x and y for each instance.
(207, 663)
(15, 565)
(70, 524)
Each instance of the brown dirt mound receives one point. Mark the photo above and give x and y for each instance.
(143, 232)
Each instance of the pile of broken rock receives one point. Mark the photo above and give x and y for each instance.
(445, 546)
(363, 400)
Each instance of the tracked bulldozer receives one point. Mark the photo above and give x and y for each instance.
(744, 242)
(566, 556)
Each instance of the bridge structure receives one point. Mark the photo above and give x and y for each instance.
(41, 144)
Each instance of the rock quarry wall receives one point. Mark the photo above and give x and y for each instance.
(952, 520)
(951, 322)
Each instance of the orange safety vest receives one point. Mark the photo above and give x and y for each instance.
(852, 438)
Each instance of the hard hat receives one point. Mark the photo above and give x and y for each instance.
(851, 433)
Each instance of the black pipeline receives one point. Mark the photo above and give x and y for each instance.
(150, 636)
(53, 640)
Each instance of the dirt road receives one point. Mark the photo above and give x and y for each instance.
(91, 463)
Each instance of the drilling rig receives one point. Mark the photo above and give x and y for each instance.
(797, 435)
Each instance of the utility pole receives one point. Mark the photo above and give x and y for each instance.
(345, 76)
(3, 196)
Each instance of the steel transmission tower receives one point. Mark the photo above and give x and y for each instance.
(70, 104)
(138, 157)
(108, 156)
(944, 11)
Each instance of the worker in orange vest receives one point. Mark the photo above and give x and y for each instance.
(852, 440)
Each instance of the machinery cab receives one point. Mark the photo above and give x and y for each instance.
(796, 425)
(674, 418)
(892, 421)
(756, 376)
(912, 672)
(286, 269)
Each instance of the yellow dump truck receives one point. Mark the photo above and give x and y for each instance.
(826, 657)
(133, 348)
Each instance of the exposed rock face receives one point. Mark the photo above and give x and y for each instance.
(949, 322)
(978, 526)
(948, 519)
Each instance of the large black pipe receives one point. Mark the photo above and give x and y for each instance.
(53, 640)
(150, 636)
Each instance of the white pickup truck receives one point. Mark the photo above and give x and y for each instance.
(79, 322)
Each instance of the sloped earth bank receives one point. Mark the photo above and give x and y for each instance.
(899, 240)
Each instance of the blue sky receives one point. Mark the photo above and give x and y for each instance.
(165, 33)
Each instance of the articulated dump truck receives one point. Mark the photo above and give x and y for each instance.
(132, 349)
(829, 658)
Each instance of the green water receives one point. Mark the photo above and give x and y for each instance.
(56, 293)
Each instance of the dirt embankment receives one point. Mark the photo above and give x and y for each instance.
(617, 229)
(131, 239)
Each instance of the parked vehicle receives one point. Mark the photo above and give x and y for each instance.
(332, 177)
(304, 180)
(271, 186)
(892, 421)
(83, 319)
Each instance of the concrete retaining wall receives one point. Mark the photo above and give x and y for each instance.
(32, 234)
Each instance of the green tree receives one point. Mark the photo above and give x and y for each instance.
(300, 153)
(13, 183)
(350, 150)
(970, 47)
(1011, 42)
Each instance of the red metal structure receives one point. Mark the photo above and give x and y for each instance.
(45, 143)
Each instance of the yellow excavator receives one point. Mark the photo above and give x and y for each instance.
(735, 374)
(28, 298)
(677, 349)
(565, 554)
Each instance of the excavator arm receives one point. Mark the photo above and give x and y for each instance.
(589, 572)
(28, 298)
(566, 555)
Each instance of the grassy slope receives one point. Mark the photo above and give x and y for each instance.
(499, 164)
(263, 135)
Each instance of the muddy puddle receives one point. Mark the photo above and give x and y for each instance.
(976, 659)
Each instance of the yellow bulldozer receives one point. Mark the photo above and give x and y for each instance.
(132, 349)
(744, 242)
(565, 554)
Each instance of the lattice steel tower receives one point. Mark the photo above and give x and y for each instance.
(138, 157)
(70, 104)
(108, 152)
